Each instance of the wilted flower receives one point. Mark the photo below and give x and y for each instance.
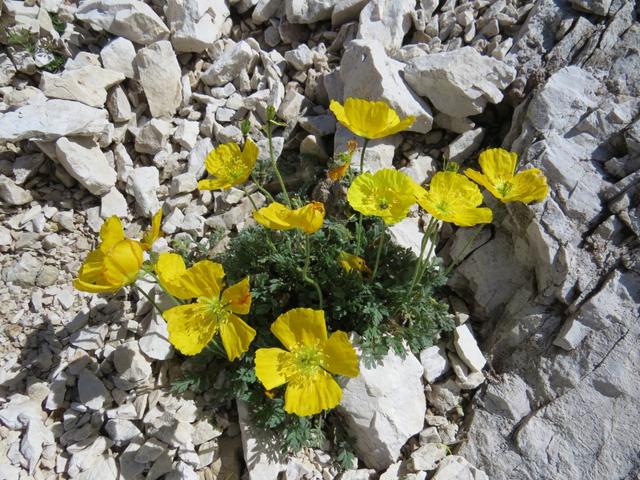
(229, 166)
(387, 194)
(498, 176)
(154, 232)
(369, 119)
(277, 216)
(454, 198)
(351, 262)
(307, 363)
(191, 327)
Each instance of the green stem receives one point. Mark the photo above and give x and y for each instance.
(423, 246)
(151, 301)
(275, 166)
(263, 190)
(379, 252)
(305, 271)
(359, 226)
(253, 204)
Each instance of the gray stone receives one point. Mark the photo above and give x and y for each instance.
(444, 397)
(455, 467)
(51, 120)
(23, 271)
(91, 391)
(113, 203)
(7, 70)
(228, 66)
(155, 342)
(87, 84)
(133, 369)
(118, 105)
(346, 10)
(461, 82)
(464, 145)
(121, 431)
(599, 7)
(26, 166)
(131, 19)
(153, 136)
(386, 22)
(468, 349)
(367, 72)
(118, 55)
(195, 24)
(383, 407)
(160, 76)
(308, 11)
(300, 58)
(84, 161)
(427, 456)
(13, 194)
(435, 363)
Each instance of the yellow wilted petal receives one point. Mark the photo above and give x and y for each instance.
(204, 279)
(279, 217)
(122, 263)
(272, 367)
(387, 194)
(154, 232)
(190, 330)
(111, 233)
(170, 268)
(340, 356)
(308, 396)
(337, 173)
(300, 326)
(369, 119)
(308, 218)
(351, 262)
(236, 336)
(275, 216)
(237, 298)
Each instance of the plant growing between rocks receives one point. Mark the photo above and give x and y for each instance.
(292, 307)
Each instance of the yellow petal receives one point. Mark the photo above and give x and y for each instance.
(90, 277)
(498, 164)
(308, 218)
(229, 165)
(190, 330)
(170, 268)
(236, 336)
(308, 396)
(483, 180)
(204, 279)
(272, 367)
(154, 232)
(111, 233)
(387, 194)
(351, 262)
(83, 286)
(369, 119)
(340, 356)
(237, 298)
(337, 173)
(214, 184)
(249, 157)
(528, 186)
(220, 158)
(300, 326)
(275, 216)
(468, 217)
(123, 262)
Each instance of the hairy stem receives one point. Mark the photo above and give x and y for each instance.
(378, 253)
(275, 166)
(359, 225)
(305, 271)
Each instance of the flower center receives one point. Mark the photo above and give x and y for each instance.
(213, 308)
(442, 206)
(307, 360)
(504, 187)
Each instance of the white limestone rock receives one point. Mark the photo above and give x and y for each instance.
(427, 456)
(131, 19)
(308, 11)
(84, 161)
(144, 182)
(132, 367)
(367, 72)
(386, 21)
(464, 145)
(468, 349)
(153, 136)
(187, 134)
(599, 7)
(264, 10)
(383, 407)
(7, 69)
(14, 413)
(88, 84)
(51, 120)
(91, 391)
(300, 58)
(460, 82)
(113, 203)
(228, 66)
(159, 74)
(435, 363)
(196, 24)
(155, 342)
(122, 431)
(346, 10)
(455, 467)
(118, 55)
(406, 234)
(264, 459)
(118, 105)
(13, 194)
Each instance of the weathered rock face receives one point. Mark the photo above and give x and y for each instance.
(159, 74)
(564, 340)
(196, 24)
(383, 407)
(87, 84)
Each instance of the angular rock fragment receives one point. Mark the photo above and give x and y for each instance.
(386, 22)
(468, 349)
(131, 19)
(233, 60)
(308, 11)
(118, 55)
(13, 194)
(87, 84)
(159, 74)
(196, 24)
(460, 82)
(144, 182)
(84, 161)
(51, 120)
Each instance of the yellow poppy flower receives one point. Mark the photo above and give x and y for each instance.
(277, 216)
(154, 232)
(351, 262)
(500, 178)
(114, 264)
(307, 363)
(387, 194)
(191, 327)
(229, 165)
(454, 198)
(369, 119)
